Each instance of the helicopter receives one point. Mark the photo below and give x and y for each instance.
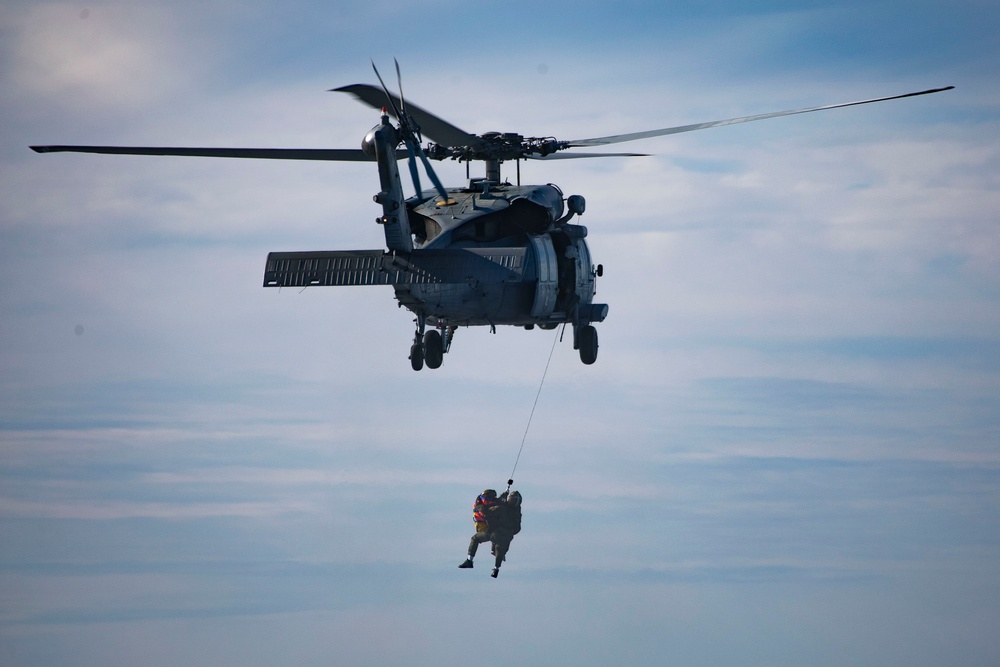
(487, 253)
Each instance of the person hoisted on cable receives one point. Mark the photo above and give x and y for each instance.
(483, 503)
(497, 520)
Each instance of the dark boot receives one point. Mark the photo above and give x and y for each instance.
(466, 564)
(495, 572)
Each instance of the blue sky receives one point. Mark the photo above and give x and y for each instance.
(786, 454)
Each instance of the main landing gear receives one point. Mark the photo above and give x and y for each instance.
(586, 342)
(429, 346)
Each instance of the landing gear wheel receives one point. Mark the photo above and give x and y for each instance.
(433, 348)
(416, 356)
(587, 342)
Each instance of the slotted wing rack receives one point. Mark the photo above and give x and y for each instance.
(377, 267)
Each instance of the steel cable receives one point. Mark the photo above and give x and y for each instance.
(533, 406)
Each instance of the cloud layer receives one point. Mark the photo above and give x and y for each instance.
(785, 454)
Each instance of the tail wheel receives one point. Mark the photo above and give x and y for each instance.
(587, 342)
(433, 348)
(417, 356)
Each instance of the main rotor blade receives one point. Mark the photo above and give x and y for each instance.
(328, 154)
(437, 129)
(573, 156)
(618, 138)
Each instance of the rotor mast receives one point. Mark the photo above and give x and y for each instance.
(493, 170)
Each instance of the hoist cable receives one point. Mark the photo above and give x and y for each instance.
(533, 406)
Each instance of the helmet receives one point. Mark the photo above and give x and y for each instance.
(486, 498)
(514, 498)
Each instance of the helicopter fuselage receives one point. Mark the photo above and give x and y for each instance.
(487, 254)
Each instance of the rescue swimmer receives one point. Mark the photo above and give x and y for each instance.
(497, 520)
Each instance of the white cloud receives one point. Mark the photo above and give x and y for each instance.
(91, 58)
